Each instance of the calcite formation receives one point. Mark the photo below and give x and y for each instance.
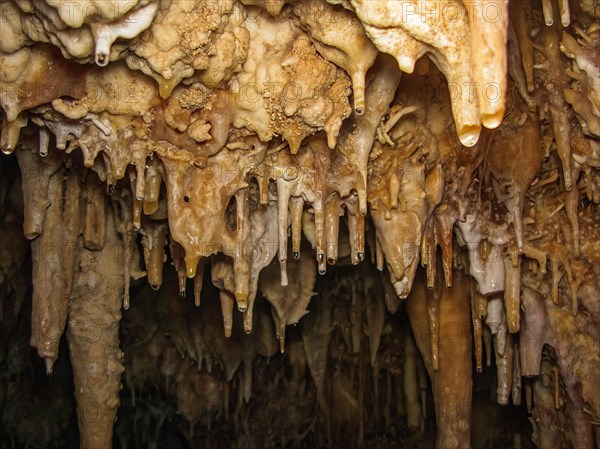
(452, 145)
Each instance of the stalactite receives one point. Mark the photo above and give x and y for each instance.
(93, 335)
(452, 400)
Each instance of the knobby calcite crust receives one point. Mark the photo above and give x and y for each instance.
(229, 138)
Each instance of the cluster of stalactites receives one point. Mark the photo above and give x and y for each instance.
(251, 125)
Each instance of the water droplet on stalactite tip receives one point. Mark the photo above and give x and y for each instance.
(44, 142)
(296, 255)
(282, 347)
(331, 261)
(281, 343)
(361, 256)
(242, 301)
(154, 286)
(469, 135)
(101, 59)
(182, 293)
(322, 271)
(112, 189)
(191, 264)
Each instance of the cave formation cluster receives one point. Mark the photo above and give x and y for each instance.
(196, 166)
